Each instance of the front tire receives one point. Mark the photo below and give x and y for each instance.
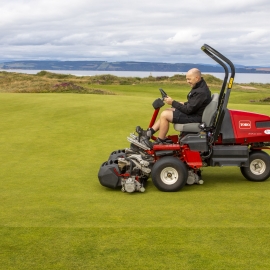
(259, 167)
(169, 174)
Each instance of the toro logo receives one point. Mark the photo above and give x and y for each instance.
(244, 124)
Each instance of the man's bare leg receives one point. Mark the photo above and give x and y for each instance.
(166, 117)
(163, 123)
(156, 126)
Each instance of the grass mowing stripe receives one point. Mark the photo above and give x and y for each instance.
(144, 248)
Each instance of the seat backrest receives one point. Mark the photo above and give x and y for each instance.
(210, 110)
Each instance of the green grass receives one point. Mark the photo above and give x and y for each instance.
(54, 214)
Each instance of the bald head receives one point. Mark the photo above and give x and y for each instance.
(194, 72)
(193, 76)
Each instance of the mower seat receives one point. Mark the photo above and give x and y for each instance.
(207, 117)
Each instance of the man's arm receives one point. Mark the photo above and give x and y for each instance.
(169, 101)
(192, 106)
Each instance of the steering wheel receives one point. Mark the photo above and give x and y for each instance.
(163, 93)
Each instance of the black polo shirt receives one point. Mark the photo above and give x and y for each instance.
(198, 98)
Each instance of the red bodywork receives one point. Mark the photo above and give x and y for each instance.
(246, 131)
(192, 158)
(250, 127)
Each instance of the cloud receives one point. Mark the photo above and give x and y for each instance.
(185, 36)
(120, 30)
(260, 35)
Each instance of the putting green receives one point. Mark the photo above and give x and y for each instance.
(56, 215)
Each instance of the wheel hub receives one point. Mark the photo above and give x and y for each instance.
(257, 166)
(169, 176)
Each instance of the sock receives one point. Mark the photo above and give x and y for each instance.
(161, 140)
(150, 132)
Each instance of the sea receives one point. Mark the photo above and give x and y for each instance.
(239, 77)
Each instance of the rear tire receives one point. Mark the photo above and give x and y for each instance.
(259, 167)
(169, 174)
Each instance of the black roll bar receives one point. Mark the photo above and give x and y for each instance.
(224, 95)
(221, 56)
(216, 56)
(221, 95)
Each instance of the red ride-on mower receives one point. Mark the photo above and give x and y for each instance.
(224, 138)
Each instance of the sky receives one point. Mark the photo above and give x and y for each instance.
(170, 31)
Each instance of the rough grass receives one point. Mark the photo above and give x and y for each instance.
(48, 82)
(56, 215)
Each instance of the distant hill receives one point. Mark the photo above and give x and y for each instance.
(123, 66)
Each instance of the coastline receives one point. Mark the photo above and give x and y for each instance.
(239, 77)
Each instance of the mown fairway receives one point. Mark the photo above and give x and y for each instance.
(54, 214)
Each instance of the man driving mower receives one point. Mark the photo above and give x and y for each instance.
(183, 112)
